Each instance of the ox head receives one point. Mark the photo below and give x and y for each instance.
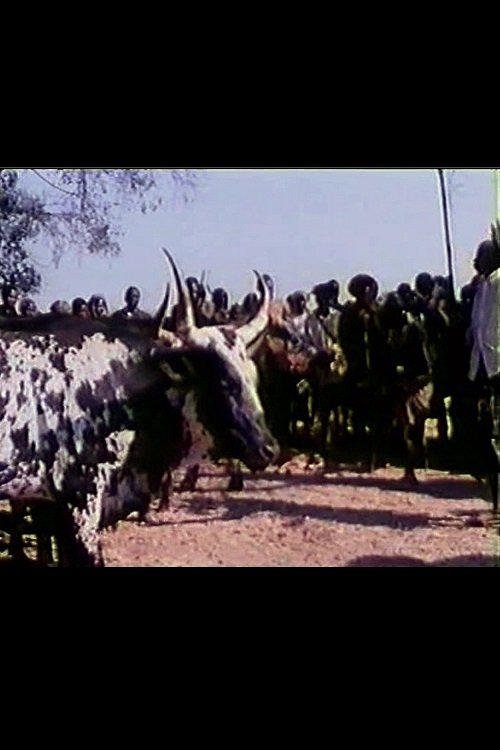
(215, 364)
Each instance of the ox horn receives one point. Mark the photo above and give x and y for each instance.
(159, 316)
(187, 319)
(207, 285)
(257, 326)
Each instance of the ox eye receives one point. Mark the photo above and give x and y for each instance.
(226, 385)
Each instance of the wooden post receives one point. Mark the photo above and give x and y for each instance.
(447, 230)
(496, 172)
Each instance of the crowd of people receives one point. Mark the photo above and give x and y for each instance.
(369, 375)
(14, 306)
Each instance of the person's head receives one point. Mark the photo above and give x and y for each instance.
(9, 296)
(60, 307)
(364, 289)
(333, 288)
(196, 290)
(297, 303)
(8, 179)
(79, 308)
(391, 312)
(250, 304)
(424, 284)
(132, 298)
(28, 308)
(442, 283)
(235, 312)
(487, 258)
(406, 296)
(322, 295)
(220, 299)
(98, 307)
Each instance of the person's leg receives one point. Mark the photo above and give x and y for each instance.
(495, 407)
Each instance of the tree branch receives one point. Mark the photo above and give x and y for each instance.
(52, 184)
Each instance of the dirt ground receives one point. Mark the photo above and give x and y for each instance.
(300, 516)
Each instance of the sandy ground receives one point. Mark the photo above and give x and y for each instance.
(302, 517)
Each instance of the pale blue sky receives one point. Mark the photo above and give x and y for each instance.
(301, 226)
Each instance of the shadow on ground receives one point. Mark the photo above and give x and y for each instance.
(465, 561)
(235, 508)
(444, 488)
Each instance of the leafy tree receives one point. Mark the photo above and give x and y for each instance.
(79, 209)
(21, 219)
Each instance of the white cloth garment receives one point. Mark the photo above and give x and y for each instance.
(297, 324)
(485, 327)
(323, 333)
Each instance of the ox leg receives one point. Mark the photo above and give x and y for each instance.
(78, 555)
(324, 406)
(335, 396)
(44, 521)
(341, 413)
(16, 544)
(494, 480)
(236, 478)
(413, 436)
(493, 485)
(300, 412)
(77, 537)
(442, 420)
(188, 484)
(165, 489)
(70, 554)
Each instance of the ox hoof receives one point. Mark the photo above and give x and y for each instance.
(235, 484)
(163, 506)
(410, 479)
(146, 519)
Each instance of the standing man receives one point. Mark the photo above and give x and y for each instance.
(297, 318)
(322, 325)
(9, 300)
(131, 309)
(28, 308)
(220, 301)
(485, 333)
(98, 307)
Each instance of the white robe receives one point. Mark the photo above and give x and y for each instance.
(485, 327)
(323, 334)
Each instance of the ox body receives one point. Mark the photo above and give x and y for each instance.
(93, 416)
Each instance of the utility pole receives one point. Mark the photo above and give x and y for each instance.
(447, 229)
(496, 172)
